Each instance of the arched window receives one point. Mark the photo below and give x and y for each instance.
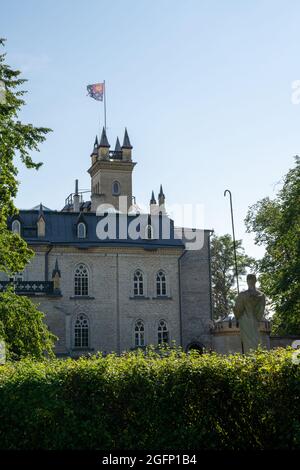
(81, 331)
(138, 283)
(161, 283)
(116, 188)
(163, 333)
(81, 280)
(16, 227)
(139, 333)
(81, 230)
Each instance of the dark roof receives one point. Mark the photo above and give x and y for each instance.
(96, 145)
(152, 200)
(126, 141)
(161, 193)
(118, 146)
(104, 141)
(61, 229)
(44, 208)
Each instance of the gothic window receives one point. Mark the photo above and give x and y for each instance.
(161, 284)
(139, 334)
(163, 332)
(116, 188)
(138, 283)
(81, 280)
(81, 230)
(16, 227)
(81, 331)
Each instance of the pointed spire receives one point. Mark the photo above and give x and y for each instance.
(56, 269)
(161, 201)
(118, 146)
(161, 193)
(41, 211)
(104, 141)
(152, 200)
(126, 141)
(96, 145)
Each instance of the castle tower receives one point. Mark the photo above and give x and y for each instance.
(111, 173)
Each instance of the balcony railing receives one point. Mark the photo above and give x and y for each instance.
(29, 287)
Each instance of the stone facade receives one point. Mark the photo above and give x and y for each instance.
(103, 307)
(111, 307)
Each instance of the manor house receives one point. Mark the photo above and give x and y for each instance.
(108, 277)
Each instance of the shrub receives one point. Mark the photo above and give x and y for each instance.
(146, 401)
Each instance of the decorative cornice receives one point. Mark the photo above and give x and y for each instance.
(112, 165)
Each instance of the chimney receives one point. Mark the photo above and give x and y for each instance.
(76, 198)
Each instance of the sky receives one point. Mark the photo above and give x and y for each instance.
(203, 87)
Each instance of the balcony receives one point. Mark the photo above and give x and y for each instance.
(32, 288)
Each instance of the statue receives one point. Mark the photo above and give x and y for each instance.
(249, 311)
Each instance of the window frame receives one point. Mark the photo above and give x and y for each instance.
(138, 283)
(118, 192)
(139, 334)
(79, 225)
(161, 286)
(81, 333)
(81, 281)
(18, 223)
(163, 331)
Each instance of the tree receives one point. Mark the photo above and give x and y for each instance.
(24, 331)
(223, 272)
(17, 141)
(276, 223)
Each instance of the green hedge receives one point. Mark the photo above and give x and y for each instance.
(140, 401)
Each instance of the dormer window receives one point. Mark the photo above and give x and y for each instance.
(116, 188)
(81, 230)
(16, 227)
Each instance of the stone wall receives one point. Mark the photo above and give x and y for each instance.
(111, 307)
(196, 296)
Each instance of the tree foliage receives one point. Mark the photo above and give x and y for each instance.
(223, 272)
(276, 223)
(24, 331)
(17, 142)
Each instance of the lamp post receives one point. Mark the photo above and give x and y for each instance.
(233, 236)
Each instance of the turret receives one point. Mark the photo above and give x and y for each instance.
(153, 205)
(118, 150)
(103, 149)
(94, 153)
(126, 147)
(161, 201)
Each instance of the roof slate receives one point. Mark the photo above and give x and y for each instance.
(61, 229)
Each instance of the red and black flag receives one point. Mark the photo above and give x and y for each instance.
(96, 91)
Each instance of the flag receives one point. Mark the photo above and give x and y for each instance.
(96, 91)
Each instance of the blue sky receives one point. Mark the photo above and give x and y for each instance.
(204, 88)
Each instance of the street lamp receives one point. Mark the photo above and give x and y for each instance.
(233, 236)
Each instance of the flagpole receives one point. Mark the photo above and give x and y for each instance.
(104, 105)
